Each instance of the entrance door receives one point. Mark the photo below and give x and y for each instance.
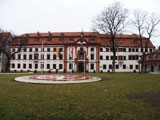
(81, 67)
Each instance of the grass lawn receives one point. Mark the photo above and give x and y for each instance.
(110, 99)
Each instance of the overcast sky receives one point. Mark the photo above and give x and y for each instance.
(27, 16)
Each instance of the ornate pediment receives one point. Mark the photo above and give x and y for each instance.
(81, 41)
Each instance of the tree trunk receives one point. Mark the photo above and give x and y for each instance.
(114, 59)
(8, 65)
(142, 62)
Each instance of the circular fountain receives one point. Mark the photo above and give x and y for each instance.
(57, 79)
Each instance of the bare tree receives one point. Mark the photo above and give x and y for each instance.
(145, 25)
(111, 21)
(6, 40)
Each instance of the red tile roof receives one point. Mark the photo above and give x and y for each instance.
(126, 40)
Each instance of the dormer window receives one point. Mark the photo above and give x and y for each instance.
(36, 39)
(92, 38)
(49, 39)
(135, 41)
(71, 38)
(61, 37)
(25, 40)
(14, 40)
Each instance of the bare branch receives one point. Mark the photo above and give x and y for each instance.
(112, 21)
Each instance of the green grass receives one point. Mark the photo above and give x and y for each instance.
(104, 100)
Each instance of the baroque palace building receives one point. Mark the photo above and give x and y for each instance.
(75, 52)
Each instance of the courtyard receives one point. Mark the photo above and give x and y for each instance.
(119, 96)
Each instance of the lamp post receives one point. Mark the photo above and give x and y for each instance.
(42, 56)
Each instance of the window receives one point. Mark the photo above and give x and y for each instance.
(60, 49)
(81, 56)
(48, 66)
(13, 65)
(120, 49)
(117, 66)
(92, 49)
(146, 50)
(54, 57)
(19, 66)
(36, 66)
(70, 66)
(92, 38)
(120, 57)
(129, 49)
(136, 41)
(124, 66)
(101, 49)
(36, 56)
(42, 66)
(150, 50)
(25, 49)
(141, 49)
(107, 49)
(48, 49)
(49, 39)
(137, 50)
(124, 49)
(61, 38)
(36, 39)
(107, 57)
(60, 66)
(110, 66)
(13, 57)
(36, 49)
(24, 57)
(92, 56)
(13, 50)
(137, 66)
(92, 66)
(30, 49)
(131, 66)
(30, 57)
(54, 49)
(133, 57)
(19, 56)
(61, 57)
(133, 50)
(24, 66)
(71, 38)
(30, 66)
(54, 66)
(137, 57)
(104, 67)
(48, 57)
(101, 57)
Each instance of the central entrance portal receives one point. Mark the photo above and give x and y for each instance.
(81, 67)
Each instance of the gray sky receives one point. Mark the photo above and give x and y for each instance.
(27, 16)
